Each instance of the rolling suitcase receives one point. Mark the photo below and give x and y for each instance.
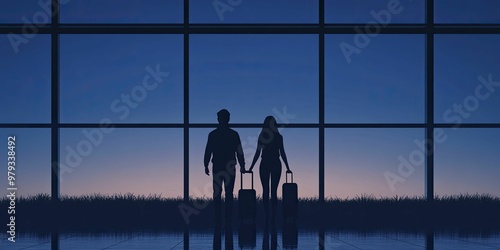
(247, 207)
(290, 200)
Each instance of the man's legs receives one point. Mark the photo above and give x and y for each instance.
(223, 177)
(229, 187)
(217, 186)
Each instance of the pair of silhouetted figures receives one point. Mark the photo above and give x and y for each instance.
(224, 147)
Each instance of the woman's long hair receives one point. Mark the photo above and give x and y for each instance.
(269, 131)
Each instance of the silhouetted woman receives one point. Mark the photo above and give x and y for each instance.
(270, 143)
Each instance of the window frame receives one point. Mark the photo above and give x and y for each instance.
(428, 28)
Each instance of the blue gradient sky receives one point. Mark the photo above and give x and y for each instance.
(113, 66)
(359, 11)
(383, 83)
(256, 11)
(253, 76)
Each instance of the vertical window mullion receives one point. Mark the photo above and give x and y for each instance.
(186, 100)
(322, 101)
(55, 124)
(429, 101)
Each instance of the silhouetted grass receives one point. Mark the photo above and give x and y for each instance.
(448, 212)
(131, 212)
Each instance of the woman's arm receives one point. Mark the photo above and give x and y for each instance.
(283, 155)
(256, 156)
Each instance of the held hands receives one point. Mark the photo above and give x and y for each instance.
(250, 170)
(242, 169)
(247, 171)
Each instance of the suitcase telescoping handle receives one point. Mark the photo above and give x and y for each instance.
(246, 172)
(286, 178)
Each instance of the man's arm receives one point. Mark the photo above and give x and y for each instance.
(208, 154)
(239, 153)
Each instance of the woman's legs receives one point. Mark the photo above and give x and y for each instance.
(264, 178)
(270, 171)
(275, 181)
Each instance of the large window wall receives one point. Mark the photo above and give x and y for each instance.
(369, 98)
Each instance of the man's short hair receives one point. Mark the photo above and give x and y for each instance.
(223, 116)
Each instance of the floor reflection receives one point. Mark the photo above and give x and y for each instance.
(290, 236)
(252, 237)
(247, 236)
(429, 240)
(228, 238)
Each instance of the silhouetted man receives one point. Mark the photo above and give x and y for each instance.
(223, 147)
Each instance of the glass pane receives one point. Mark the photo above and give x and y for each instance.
(381, 12)
(301, 147)
(119, 161)
(122, 11)
(376, 80)
(25, 87)
(25, 11)
(254, 76)
(467, 80)
(32, 161)
(466, 11)
(378, 162)
(466, 162)
(123, 78)
(255, 11)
